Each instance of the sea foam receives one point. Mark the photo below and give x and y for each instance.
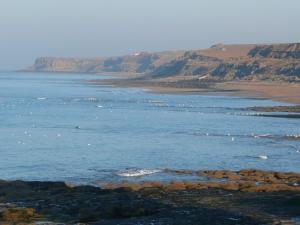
(137, 172)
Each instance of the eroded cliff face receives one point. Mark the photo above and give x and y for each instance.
(265, 62)
(190, 63)
(136, 63)
(152, 65)
(280, 51)
(219, 63)
(52, 64)
(258, 69)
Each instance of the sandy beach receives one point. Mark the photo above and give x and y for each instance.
(282, 92)
(277, 91)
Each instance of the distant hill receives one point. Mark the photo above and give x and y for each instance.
(218, 63)
(136, 63)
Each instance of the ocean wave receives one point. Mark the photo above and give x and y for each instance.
(156, 101)
(286, 137)
(137, 172)
(92, 99)
(291, 137)
(41, 98)
(264, 136)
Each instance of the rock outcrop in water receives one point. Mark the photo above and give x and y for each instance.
(182, 202)
(288, 109)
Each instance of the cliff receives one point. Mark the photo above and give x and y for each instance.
(265, 62)
(52, 64)
(218, 63)
(136, 63)
(280, 51)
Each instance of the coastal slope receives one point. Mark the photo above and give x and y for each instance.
(268, 71)
(218, 63)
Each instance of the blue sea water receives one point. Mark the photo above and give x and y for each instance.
(60, 127)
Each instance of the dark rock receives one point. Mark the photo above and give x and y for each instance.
(256, 198)
(18, 215)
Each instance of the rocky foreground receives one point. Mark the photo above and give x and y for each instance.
(219, 197)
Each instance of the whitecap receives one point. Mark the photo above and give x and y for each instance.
(41, 98)
(137, 172)
(155, 101)
(264, 135)
(263, 157)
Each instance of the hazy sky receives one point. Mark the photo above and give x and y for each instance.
(88, 28)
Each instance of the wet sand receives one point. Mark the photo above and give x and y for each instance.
(170, 86)
(277, 91)
(282, 92)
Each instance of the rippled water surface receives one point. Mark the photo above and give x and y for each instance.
(58, 127)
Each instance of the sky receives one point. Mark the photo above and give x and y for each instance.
(90, 28)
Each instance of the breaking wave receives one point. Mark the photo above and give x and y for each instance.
(137, 172)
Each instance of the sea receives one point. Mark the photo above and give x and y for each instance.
(62, 127)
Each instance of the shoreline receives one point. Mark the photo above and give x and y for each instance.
(289, 92)
(277, 91)
(249, 197)
(247, 180)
